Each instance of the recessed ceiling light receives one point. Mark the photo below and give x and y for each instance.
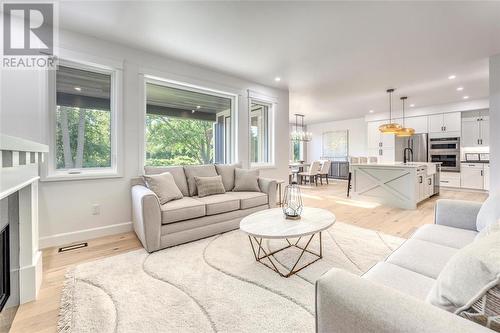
(371, 111)
(460, 88)
(412, 105)
(452, 77)
(198, 106)
(277, 79)
(466, 97)
(78, 89)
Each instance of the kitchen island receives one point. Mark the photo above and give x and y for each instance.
(397, 184)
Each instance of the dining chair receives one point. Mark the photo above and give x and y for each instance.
(373, 159)
(324, 171)
(311, 174)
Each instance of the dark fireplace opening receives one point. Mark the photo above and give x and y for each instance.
(4, 266)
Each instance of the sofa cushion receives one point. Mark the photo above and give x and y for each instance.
(219, 203)
(489, 212)
(422, 257)
(209, 186)
(176, 171)
(182, 209)
(444, 235)
(250, 199)
(191, 171)
(226, 171)
(401, 279)
(468, 275)
(164, 187)
(246, 180)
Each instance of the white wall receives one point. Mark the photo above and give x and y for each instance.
(357, 136)
(65, 206)
(495, 124)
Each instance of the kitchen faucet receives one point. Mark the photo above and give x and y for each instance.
(410, 156)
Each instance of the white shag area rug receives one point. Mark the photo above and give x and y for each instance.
(211, 285)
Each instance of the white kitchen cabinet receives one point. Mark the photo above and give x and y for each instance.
(378, 140)
(486, 177)
(484, 131)
(475, 131)
(450, 179)
(419, 124)
(429, 186)
(435, 123)
(472, 176)
(388, 155)
(470, 132)
(452, 121)
(446, 123)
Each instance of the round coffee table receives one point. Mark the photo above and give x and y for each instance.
(272, 224)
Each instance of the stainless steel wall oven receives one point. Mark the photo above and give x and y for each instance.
(447, 152)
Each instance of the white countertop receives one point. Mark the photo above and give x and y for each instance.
(397, 164)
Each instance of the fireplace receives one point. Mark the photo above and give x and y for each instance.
(4, 266)
(20, 257)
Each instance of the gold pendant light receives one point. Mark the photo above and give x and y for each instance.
(405, 131)
(390, 128)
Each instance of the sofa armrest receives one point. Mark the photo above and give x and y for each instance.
(268, 186)
(457, 213)
(146, 215)
(348, 303)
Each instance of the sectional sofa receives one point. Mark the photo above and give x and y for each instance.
(191, 218)
(393, 295)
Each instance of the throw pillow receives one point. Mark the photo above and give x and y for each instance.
(468, 275)
(489, 212)
(191, 171)
(246, 180)
(163, 185)
(209, 186)
(227, 173)
(176, 171)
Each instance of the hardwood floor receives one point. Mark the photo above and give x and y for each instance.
(41, 315)
(392, 221)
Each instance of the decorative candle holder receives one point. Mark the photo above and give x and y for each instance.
(292, 202)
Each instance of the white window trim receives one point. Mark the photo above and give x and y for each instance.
(154, 79)
(113, 67)
(273, 103)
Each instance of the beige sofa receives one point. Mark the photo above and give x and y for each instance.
(391, 296)
(191, 218)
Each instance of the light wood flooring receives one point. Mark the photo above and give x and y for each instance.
(41, 315)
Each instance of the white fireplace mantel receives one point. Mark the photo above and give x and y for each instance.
(19, 172)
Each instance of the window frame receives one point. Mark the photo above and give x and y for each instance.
(112, 68)
(153, 79)
(272, 104)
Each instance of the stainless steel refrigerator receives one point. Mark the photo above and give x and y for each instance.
(418, 143)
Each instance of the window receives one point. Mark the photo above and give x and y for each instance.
(259, 133)
(261, 129)
(187, 126)
(84, 122)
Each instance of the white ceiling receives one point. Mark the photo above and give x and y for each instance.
(336, 58)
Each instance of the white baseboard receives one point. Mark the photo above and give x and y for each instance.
(30, 279)
(82, 235)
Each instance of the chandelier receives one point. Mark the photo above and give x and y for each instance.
(300, 135)
(390, 128)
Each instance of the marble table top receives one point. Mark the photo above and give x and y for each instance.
(271, 223)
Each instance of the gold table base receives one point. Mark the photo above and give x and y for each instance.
(257, 248)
